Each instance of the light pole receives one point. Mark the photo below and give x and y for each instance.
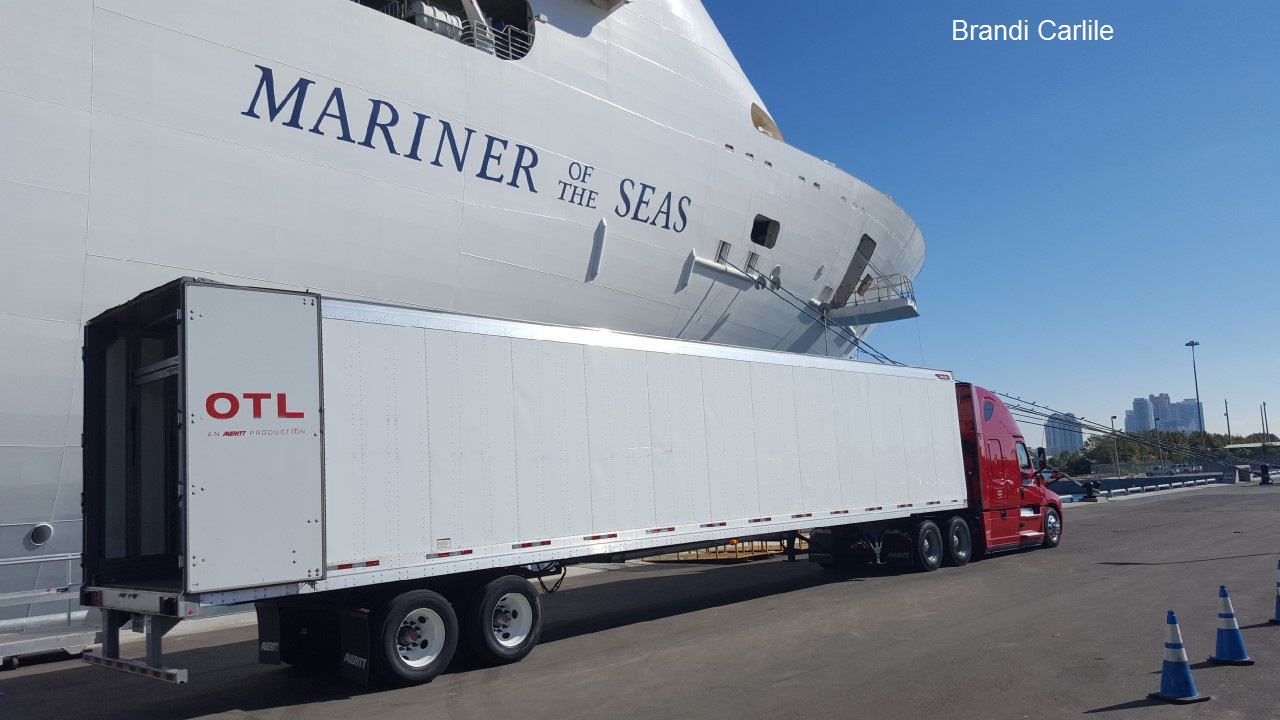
(1115, 444)
(1159, 447)
(1196, 376)
(1226, 407)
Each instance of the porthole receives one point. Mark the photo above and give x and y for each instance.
(41, 534)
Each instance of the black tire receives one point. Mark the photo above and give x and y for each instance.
(1052, 528)
(405, 645)
(958, 542)
(503, 621)
(926, 547)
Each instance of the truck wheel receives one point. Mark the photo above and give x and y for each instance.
(416, 637)
(959, 542)
(1052, 528)
(504, 620)
(926, 554)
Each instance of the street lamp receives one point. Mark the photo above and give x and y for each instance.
(1115, 444)
(1159, 446)
(1199, 411)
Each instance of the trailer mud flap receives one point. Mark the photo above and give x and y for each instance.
(353, 628)
(268, 633)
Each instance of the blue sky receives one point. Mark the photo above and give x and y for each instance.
(1087, 207)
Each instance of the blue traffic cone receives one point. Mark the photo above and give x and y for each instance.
(1230, 641)
(1176, 685)
(1276, 620)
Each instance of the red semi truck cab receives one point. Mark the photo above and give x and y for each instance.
(1007, 495)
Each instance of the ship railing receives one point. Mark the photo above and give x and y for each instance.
(882, 288)
(508, 43)
(394, 8)
(68, 593)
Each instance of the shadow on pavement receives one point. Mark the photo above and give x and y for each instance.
(604, 606)
(1131, 705)
(227, 678)
(1198, 560)
(1202, 665)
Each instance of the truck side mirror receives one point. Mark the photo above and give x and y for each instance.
(1041, 460)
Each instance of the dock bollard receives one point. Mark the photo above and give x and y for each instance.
(1230, 641)
(1276, 620)
(1176, 685)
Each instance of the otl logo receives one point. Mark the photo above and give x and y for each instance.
(223, 405)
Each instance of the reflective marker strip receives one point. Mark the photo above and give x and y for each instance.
(802, 515)
(760, 520)
(722, 524)
(610, 536)
(537, 543)
(1175, 652)
(1173, 648)
(451, 553)
(660, 530)
(349, 566)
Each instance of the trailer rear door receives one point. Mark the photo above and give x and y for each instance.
(254, 471)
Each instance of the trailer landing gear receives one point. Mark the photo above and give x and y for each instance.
(155, 626)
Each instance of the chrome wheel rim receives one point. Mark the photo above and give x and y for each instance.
(511, 620)
(1053, 525)
(960, 544)
(420, 637)
(929, 548)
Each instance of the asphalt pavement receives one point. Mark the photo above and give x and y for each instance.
(1069, 632)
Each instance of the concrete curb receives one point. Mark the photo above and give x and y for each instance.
(1136, 492)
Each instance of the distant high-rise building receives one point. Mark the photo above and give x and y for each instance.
(1141, 418)
(1062, 433)
(1183, 417)
(1162, 408)
(1186, 415)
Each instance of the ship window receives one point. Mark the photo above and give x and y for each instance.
(722, 253)
(988, 408)
(753, 263)
(764, 231)
(503, 28)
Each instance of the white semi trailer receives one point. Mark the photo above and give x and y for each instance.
(382, 481)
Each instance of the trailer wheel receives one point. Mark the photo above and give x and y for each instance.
(417, 636)
(926, 553)
(504, 620)
(1052, 528)
(959, 542)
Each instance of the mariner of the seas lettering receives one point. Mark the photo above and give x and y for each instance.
(637, 201)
